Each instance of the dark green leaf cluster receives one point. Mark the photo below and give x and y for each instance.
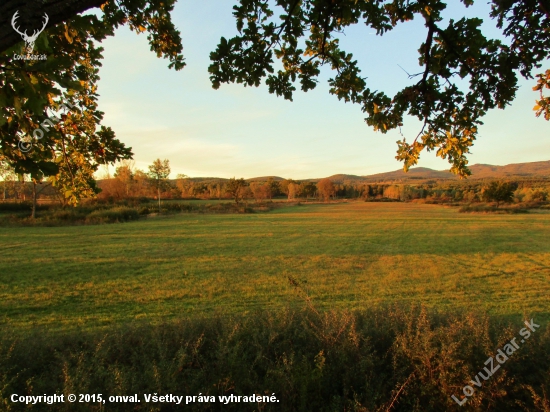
(498, 192)
(235, 187)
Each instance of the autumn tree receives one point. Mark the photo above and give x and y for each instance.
(393, 192)
(326, 188)
(538, 195)
(308, 189)
(543, 103)
(260, 191)
(182, 183)
(158, 173)
(8, 176)
(50, 123)
(293, 190)
(284, 186)
(463, 73)
(273, 187)
(125, 175)
(219, 189)
(199, 189)
(141, 184)
(498, 192)
(236, 188)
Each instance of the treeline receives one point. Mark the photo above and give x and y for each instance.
(464, 192)
(131, 183)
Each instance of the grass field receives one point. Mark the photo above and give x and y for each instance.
(352, 255)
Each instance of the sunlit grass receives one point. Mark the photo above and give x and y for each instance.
(353, 255)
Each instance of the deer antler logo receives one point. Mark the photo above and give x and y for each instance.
(29, 40)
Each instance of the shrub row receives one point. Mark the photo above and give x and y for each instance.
(78, 215)
(100, 211)
(487, 208)
(116, 214)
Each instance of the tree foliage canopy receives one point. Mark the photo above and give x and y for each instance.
(304, 37)
(498, 192)
(158, 173)
(235, 187)
(69, 146)
(326, 188)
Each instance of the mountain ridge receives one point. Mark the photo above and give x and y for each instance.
(536, 170)
(540, 169)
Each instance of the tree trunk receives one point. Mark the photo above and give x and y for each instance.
(33, 213)
(158, 194)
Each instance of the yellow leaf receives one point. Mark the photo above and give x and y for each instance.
(68, 35)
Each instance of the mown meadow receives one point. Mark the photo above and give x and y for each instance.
(342, 306)
(346, 255)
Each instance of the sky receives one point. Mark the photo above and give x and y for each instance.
(239, 131)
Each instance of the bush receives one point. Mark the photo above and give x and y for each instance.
(117, 214)
(144, 211)
(70, 214)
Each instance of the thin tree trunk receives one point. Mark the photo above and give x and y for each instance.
(33, 214)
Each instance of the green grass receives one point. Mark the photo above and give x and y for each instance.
(349, 255)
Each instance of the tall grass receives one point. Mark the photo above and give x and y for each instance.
(396, 359)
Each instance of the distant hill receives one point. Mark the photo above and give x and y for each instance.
(265, 178)
(414, 174)
(532, 170)
(479, 171)
(223, 179)
(342, 178)
(202, 179)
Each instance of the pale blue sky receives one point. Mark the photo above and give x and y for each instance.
(247, 132)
